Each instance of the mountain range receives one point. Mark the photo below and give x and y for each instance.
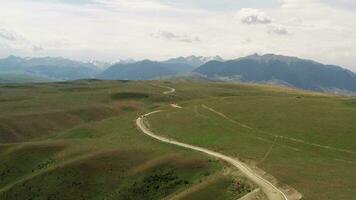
(48, 67)
(61, 69)
(147, 69)
(268, 68)
(283, 70)
(194, 61)
(144, 70)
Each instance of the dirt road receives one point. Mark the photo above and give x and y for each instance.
(170, 89)
(271, 191)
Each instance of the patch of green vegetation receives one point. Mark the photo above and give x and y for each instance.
(154, 185)
(4, 99)
(124, 81)
(30, 126)
(217, 186)
(350, 102)
(26, 160)
(129, 95)
(79, 133)
(81, 89)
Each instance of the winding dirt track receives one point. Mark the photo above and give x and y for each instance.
(271, 191)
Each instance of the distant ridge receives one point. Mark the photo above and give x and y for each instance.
(147, 69)
(48, 67)
(144, 70)
(264, 69)
(195, 61)
(284, 70)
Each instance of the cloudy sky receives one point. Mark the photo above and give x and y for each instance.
(324, 30)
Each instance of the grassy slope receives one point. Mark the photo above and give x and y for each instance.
(77, 140)
(317, 172)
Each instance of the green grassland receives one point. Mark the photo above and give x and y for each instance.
(77, 140)
(305, 140)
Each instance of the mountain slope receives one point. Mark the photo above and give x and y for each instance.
(284, 70)
(144, 70)
(12, 64)
(194, 61)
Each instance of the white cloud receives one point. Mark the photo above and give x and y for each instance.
(7, 35)
(12, 40)
(295, 21)
(134, 5)
(37, 48)
(296, 3)
(166, 35)
(278, 30)
(253, 16)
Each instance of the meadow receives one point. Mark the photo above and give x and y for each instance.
(305, 140)
(78, 140)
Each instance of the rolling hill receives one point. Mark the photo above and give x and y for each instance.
(277, 69)
(80, 137)
(77, 140)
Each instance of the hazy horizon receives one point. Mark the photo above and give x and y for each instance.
(111, 30)
(128, 60)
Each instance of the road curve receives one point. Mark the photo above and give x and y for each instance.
(170, 89)
(271, 191)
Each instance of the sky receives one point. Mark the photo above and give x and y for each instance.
(111, 30)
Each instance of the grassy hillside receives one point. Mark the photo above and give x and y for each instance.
(77, 140)
(305, 140)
